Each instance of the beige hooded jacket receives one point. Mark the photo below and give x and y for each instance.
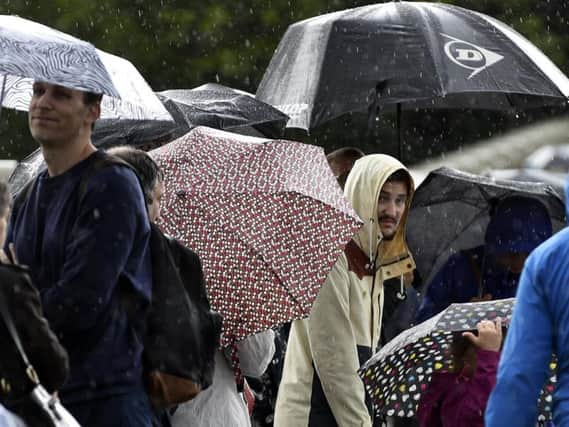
(320, 385)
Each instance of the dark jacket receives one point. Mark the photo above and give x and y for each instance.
(44, 351)
(518, 225)
(82, 251)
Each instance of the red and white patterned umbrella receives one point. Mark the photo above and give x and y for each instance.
(266, 217)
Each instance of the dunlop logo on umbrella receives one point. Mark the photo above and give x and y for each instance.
(470, 56)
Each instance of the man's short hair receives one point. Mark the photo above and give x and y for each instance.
(5, 196)
(345, 153)
(145, 167)
(92, 98)
(401, 175)
(342, 161)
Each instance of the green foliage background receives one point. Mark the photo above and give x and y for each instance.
(182, 44)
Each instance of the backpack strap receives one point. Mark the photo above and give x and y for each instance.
(23, 195)
(102, 161)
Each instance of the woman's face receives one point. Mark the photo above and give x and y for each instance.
(154, 206)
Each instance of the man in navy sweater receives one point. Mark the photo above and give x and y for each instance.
(86, 249)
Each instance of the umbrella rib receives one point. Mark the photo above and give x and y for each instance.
(257, 253)
(475, 218)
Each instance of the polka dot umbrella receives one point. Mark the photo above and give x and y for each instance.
(401, 371)
(266, 217)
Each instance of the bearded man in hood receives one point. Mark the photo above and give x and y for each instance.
(320, 385)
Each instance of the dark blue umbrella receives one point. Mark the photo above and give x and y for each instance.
(451, 210)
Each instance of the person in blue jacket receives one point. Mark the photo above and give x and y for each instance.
(539, 327)
(490, 271)
(85, 242)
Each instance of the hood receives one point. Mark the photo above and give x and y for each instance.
(518, 225)
(362, 189)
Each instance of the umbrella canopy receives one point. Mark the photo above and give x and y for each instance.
(222, 107)
(397, 375)
(107, 133)
(555, 179)
(31, 51)
(413, 54)
(451, 209)
(266, 217)
(211, 104)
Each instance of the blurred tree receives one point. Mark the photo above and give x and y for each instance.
(176, 44)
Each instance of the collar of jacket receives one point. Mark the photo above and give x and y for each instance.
(358, 262)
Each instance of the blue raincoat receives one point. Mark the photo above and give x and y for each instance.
(539, 327)
(519, 225)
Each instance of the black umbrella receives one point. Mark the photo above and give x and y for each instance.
(222, 107)
(555, 179)
(451, 209)
(407, 55)
(107, 133)
(210, 105)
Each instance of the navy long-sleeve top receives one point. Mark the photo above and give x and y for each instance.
(80, 250)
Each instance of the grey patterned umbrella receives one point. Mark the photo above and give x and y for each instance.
(30, 51)
(212, 105)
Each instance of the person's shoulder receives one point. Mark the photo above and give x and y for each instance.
(549, 258)
(552, 246)
(112, 176)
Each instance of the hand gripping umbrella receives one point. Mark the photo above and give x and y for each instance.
(396, 377)
(30, 51)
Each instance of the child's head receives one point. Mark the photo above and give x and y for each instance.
(463, 353)
(149, 173)
(489, 337)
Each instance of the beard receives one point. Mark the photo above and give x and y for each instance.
(389, 237)
(392, 231)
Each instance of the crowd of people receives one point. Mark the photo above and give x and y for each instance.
(75, 249)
